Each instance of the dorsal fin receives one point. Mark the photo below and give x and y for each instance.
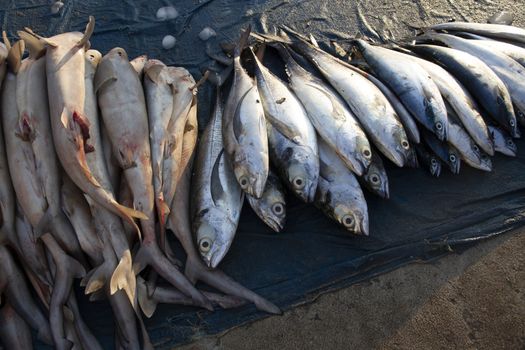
(6, 40)
(90, 27)
(41, 38)
(36, 47)
(14, 57)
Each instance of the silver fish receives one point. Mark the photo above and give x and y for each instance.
(481, 81)
(375, 179)
(338, 193)
(244, 129)
(216, 196)
(411, 83)
(446, 152)
(330, 116)
(470, 153)
(499, 31)
(503, 142)
(271, 207)
(430, 160)
(460, 101)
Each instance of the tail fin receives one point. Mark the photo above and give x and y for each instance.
(147, 305)
(243, 41)
(124, 277)
(35, 47)
(14, 57)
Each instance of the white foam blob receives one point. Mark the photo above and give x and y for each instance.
(207, 33)
(168, 42)
(167, 12)
(55, 8)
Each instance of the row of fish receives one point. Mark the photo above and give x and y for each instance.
(96, 155)
(452, 95)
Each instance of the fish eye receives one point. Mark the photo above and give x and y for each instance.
(433, 161)
(439, 126)
(243, 181)
(374, 178)
(298, 183)
(348, 220)
(205, 245)
(367, 153)
(511, 122)
(405, 144)
(452, 158)
(510, 143)
(476, 148)
(278, 208)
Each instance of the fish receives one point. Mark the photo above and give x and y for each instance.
(469, 152)
(184, 102)
(65, 67)
(503, 143)
(481, 81)
(32, 160)
(375, 114)
(282, 108)
(244, 129)
(375, 179)
(66, 269)
(508, 70)
(329, 115)
(123, 107)
(216, 196)
(407, 119)
(138, 64)
(338, 193)
(4, 51)
(460, 101)
(497, 31)
(412, 85)
(444, 151)
(297, 166)
(14, 331)
(517, 53)
(271, 207)
(179, 223)
(429, 159)
(159, 89)
(16, 290)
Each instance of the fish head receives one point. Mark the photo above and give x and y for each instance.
(377, 180)
(303, 173)
(117, 54)
(251, 183)
(511, 146)
(271, 209)
(435, 166)
(454, 161)
(352, 217)
(403, 153)
(485, 163)
(363, 154)
(93, 58)
(214, 236)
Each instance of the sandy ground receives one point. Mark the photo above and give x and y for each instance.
(473, 300)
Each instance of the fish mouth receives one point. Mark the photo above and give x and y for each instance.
(435, 170)
(516, 132)
(358, 166)
(385, 190)
(257, 187)
(275, 224)
(312, 187)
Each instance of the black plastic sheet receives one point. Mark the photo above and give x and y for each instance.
(423, 219)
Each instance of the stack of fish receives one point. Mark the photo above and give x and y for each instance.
(70, 176)
(440, 98)
(97, 160)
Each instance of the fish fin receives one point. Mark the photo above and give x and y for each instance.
(216, 188)
(147, 305)
(124, 278)
(237, 124)
(14, 57)
(104, 75)
(90, 27)
(154, 71)
(6, 40)
(99, 295)
(312, 40)
(35, 47)
(46, 41)
(243, 41)
(95, 280)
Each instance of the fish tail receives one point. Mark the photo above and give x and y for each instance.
(95, 280)
(124, 277)
(243, 41)
(148, 305)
